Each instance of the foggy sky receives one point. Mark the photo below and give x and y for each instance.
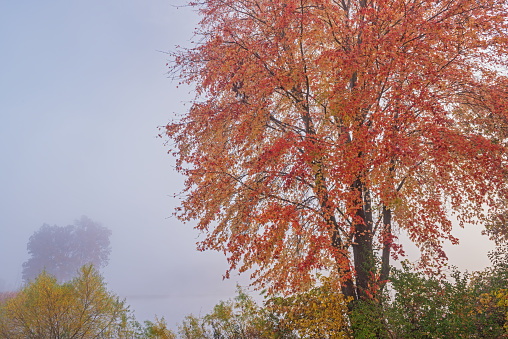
(82, 91)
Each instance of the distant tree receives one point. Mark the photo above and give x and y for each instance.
(81, 308)
(61, 251)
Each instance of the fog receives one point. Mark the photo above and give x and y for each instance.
(82, 92)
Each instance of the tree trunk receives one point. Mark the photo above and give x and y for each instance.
(362, 241)
(387, 244)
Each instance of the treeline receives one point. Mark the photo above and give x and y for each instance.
(416, 305)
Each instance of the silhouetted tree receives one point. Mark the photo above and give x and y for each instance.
(63, 250)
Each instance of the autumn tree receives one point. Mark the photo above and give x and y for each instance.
(81, 308)
(61, 251)
(320, 312)
(155, 330)
(322, 128)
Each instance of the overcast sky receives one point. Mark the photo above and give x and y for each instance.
(82, 91)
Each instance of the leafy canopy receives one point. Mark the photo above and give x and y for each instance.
(61, 251)
(80, 308)
(322, 128)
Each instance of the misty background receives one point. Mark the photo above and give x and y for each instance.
(83, 88)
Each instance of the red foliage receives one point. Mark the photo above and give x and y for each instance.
(321, 127)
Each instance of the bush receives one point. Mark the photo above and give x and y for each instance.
(81, 308)
(416, 306)
(468, 306)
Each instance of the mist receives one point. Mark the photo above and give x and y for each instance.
(82, 93)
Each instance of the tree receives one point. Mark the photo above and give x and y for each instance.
(157, 330)
(81, 308)
(61, 251)
(240, 318)
(4, 296)
(322, 128)
(320, 312)
(466, 306)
